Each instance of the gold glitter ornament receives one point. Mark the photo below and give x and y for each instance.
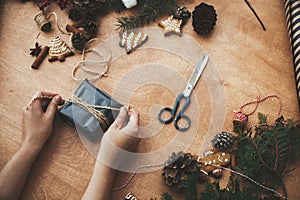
(59, 50)
(171, 25)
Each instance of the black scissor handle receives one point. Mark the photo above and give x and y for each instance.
(173, 112)
(181, 116)
(166, 121)
(170, 110)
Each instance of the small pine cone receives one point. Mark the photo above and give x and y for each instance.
(90, 27)
(182, 13)
(63, 3)
(204, 19)
(223, 140)
(177, 172)
(75, 14)
(89, 5)
(90, 16)
(78, 41)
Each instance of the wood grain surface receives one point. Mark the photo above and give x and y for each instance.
(249, 61)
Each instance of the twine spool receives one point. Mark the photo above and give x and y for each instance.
(42, 21)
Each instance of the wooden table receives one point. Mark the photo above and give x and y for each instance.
(250, 61)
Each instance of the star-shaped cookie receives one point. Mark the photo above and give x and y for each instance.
(171, 25)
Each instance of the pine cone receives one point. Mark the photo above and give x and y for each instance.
(223, 140)
(89, 5)
(182, 13)
(177, 172)
(75, 14)
(204, 19)
(63, 3)
(90, 16)
(90, 27)
(78, 41)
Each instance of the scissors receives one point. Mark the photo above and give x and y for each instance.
(184, 95)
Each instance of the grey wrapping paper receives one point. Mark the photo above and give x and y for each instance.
(85, 122)
(292, 14)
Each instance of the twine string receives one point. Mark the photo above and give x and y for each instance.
(92, 109)
(82, 65)
(57, 25)
(133, 175)
(259, 100)
(81, 103)
(41, 18)
(214, 165)
(250, 179)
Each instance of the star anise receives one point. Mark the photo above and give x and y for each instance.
(36, 51)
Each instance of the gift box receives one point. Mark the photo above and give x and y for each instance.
(91, 111)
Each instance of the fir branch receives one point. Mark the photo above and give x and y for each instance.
(264, 158)
(273, 148)
(166, 196)
(190, 191)
(149, 10)
(233, 191)
(262, 118)
(260, 157)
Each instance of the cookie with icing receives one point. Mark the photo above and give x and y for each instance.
(58, 49)
(131, 40)
(171, 25)
(211, 162)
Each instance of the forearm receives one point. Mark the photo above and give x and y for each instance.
(15, 172)
(101, 183)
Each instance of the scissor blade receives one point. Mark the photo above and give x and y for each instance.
(195, 76)
(198, 71)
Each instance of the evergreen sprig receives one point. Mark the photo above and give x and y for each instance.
(149, 10)
(191, 191)
(233, 191)
(263, 157)
(166, 196)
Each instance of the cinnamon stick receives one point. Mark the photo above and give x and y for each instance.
(39, 59)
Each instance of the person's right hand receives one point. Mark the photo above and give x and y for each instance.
(123, 133)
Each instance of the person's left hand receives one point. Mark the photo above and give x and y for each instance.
(37, 124)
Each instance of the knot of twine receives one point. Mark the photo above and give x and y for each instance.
(92, 109)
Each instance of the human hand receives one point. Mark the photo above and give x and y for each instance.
(123, 133)
(37, 120)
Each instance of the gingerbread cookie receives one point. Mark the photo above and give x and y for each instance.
(58, 49)
(211, 162)
(131, 40)
(171, 25)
